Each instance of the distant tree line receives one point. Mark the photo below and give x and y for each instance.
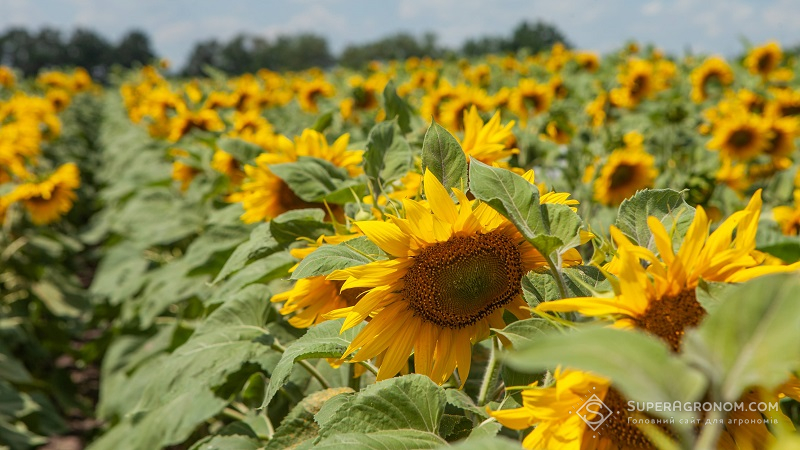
(31, 52)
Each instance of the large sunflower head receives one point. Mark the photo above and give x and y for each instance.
(660, 299)
(47, 200)
(455, 269)
(764, 59)
(713, 71)
(741, 136)
(626, 171)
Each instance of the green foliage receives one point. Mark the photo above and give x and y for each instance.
(328, 258)
(666, 205)
(442, 155)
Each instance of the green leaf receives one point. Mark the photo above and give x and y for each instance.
(580, 281)
(526, 332)
(510, 195)
(751, 338)
(11, 401)
(307, 223)
(460, 399)
(168, 424)
(11, 368)
(234, 442)
(487, 443)
(771, 240)
(397, 107)
(485, 431)
(120, 272)
(408, 402)
(444, 157)
(321, 341)
(382, 440)
(550, 228)
(387, 157)
(299, 424)
(323, 122)
(327, 258)
(312, 179)
(260, 244)
(454, 427)
(17, 436)
(55, 300)
(242, 151)
(231, 336)
(666, 205)
(642, 367)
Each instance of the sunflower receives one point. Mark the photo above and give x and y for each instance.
(487, 142)
(224, 163)
(661, 299)
(786, 103)
(764, 59)
(733, 175)
(462, 98)
(638, 82)
(264, 195)
(556, 133)
(309, 92)
(184, 174)
(741, 136)
(554, 411)
(48, 200)
(455, 269)
(7, 77)
(529, 99)
(782, 132)
(714, 70)
(596, 109)
(626, 171)
(187, 120)
(588, 61)
(59, 98)
(788, 217)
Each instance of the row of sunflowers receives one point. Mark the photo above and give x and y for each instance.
(516, 250)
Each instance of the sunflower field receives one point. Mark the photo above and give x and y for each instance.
(549, 251)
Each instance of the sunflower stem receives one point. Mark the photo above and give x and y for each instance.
(490, 376)
(353, 381)
(710, 433)
(556, 270)
(305, 365)
(367, 365)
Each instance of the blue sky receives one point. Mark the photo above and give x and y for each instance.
(708, 26)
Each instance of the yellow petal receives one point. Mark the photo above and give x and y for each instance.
(440, 201)
(387, 236)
